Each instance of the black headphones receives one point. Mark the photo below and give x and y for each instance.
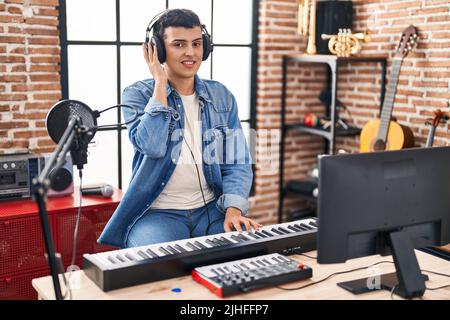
(155, 40)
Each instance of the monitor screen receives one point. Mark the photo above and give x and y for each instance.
(364, 197)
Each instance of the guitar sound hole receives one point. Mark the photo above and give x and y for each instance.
(379, 145)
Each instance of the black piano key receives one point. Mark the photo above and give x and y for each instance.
(300, 227)
(284, 259)
(255, 264)
(211, 243)
(245, 266)
(221, 270)
(121, 258)
(306, 226)
(260, 263)
(219, 242)
(180, 248)
(111, 259)
(276, 231)
(172, 249)
(293, 228)
(267, 262)
(253, 235)
(143, 254)
(312, 223)
(240, 235)
(234, 237)
(267, 233)
(200, 245)
(218, 274)
(192, 246)
(260, 234)
(238, 267)
(225, 240)
(163, 250)
(151, 253)
(277, 260)
(129, 256)
(283, 230)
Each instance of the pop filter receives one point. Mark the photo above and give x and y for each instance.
(63, 111)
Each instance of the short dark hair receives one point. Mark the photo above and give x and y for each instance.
(175, 18)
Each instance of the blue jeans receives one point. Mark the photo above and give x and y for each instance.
(163, 225)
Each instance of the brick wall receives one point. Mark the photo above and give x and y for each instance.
(29, 81)
(29, 73)
(423, 87)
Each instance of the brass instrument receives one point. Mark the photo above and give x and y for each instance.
(307, 23)
(346, 43)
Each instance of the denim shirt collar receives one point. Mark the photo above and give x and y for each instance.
(199, 85)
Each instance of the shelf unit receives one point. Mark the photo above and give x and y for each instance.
(330, 134)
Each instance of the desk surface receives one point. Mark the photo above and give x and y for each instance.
(190, 289)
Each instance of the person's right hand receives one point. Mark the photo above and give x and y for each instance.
(155, 67)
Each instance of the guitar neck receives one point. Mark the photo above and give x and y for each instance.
(388, 102)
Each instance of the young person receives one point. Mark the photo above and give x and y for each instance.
(191, 168)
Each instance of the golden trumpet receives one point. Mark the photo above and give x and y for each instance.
(346, 43)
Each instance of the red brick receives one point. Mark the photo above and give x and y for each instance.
(12, 125)
(42, 21)
(13, 78)
(14, 39)
(44, 41)
(48, 77)
(51, 3)
(11, 59)
(15, 10)
(47, 96)
(13, 97)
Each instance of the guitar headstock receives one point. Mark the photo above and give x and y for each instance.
(439, 117)
(408, 41)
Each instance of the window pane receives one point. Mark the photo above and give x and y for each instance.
(102, 166)
(201, 7)
(135, 16)
(235, 76)
(240, 30)
(205, 69)
(127, 159)
(93, 78)
(133, 66)
(91, 20)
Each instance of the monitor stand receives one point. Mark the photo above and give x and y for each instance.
(408, 280)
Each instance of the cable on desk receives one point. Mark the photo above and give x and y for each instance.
(433, 272)
(333, 274)
(448, 285)
(310, 257)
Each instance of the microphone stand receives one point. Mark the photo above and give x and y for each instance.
(41, 185)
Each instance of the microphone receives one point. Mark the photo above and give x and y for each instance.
(104, 190)
(58, 119)
(65, 111)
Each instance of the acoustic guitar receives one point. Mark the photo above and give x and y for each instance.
(384, 133)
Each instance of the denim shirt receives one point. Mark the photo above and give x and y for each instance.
(156, 136)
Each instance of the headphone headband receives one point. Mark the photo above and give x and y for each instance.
(208, 46)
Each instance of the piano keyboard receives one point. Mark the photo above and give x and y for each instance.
(126, 267)
(226, 279)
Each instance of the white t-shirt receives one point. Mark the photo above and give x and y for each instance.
(182, 191)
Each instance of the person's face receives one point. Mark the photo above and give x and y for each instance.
(184, 51)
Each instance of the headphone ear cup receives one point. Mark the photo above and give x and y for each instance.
(160, 48)
(207, 46)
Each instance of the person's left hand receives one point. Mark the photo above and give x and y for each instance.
(234, 219)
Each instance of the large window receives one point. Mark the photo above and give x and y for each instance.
(101, 55)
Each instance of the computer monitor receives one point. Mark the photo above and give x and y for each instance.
(384, 203)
